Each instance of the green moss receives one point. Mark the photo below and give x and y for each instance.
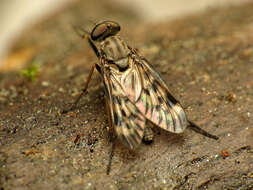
(30, 72)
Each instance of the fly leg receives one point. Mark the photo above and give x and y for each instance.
(83, 91)
(148, 136)
(84, 34)
(111, 137)
(197, 129)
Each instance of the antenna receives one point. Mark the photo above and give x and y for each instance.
(81, 31)
(92, 21)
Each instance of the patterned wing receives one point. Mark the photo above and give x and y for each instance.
(128, 121)
(156, 102)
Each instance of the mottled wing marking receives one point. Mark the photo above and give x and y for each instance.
(156, 102)
(128, 121)
(131, 82)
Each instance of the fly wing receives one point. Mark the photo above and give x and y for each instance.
(128, 121)
(156, 102)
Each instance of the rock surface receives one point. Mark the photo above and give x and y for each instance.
(207, 62)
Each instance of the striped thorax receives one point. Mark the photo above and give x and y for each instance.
(115, 51)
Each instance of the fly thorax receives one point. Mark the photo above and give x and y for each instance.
(115, 50)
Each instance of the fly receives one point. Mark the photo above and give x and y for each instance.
(135, 92)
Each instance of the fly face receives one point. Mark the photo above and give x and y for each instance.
(112, 48)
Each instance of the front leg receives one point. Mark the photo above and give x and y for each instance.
(112, 137)
(85, 34)
(94, 47)
(83, 91)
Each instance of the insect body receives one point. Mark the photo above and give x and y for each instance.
(134, 91)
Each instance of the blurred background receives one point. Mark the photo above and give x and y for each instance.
(17, 17)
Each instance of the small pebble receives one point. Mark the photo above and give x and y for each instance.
(45, 83)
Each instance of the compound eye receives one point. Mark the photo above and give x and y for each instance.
(98, 31)
(104, 30)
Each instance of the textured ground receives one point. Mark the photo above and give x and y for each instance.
(207, 62)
